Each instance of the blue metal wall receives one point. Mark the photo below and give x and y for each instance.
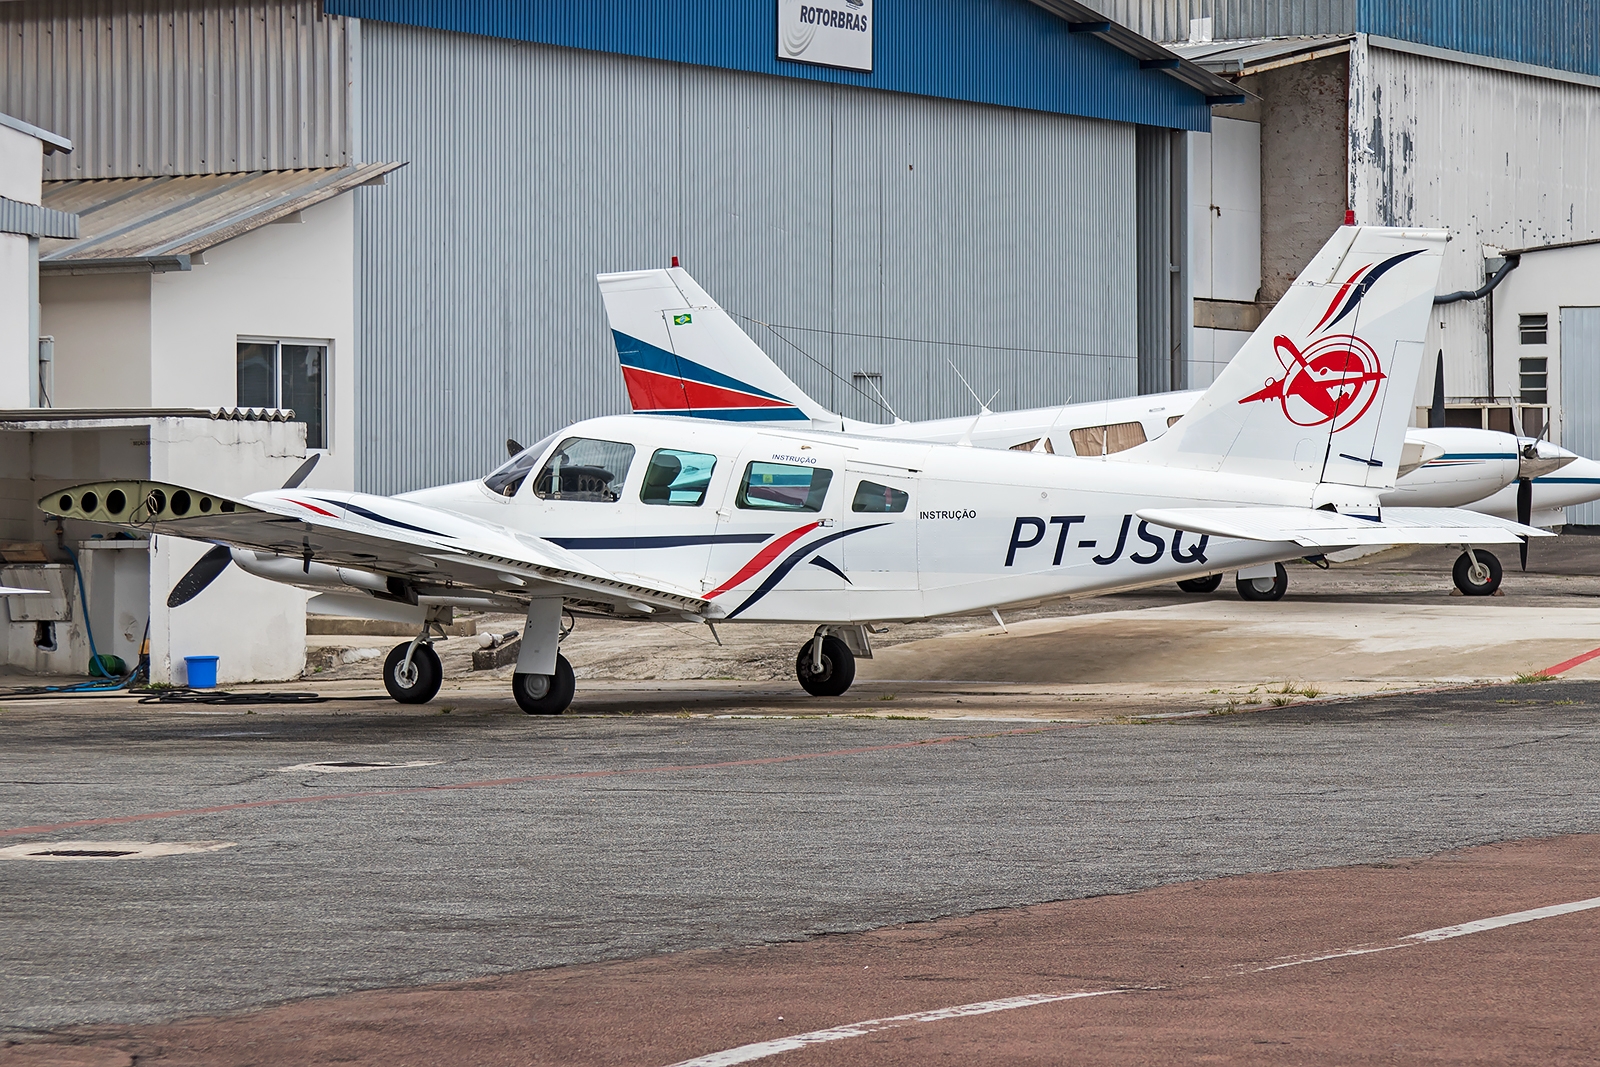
(1564, 34)
(1011, 53)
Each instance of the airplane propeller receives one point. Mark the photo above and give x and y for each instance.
(1524, 514)
(216, 560)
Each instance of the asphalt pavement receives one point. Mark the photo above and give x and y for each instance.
(528, 843)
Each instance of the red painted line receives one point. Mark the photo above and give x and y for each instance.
(1561, 668)
(494, 783)
(312, 507)
(762, 558)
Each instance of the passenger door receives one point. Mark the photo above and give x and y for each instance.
(781, 502)
(881, 553)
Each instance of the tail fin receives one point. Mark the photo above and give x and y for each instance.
(1322, 391)
(681, 354)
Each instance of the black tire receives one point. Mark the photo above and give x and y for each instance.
(1208, 584)
(838, 668)
(1472, 584)
(427, 674)
(545, 694)
(1248, 590)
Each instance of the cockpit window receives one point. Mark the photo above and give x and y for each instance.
(508, 477)
(585, 469)
(783, 487)
(678, 478)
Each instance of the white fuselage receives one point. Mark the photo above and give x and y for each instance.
(979, 528)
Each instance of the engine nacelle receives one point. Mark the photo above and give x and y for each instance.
(292, 570)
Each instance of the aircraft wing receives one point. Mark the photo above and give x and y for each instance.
(399, 539)
(1327, 529)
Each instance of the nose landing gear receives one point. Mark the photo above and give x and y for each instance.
(1477, 573)
(412, 674)
(826, 665)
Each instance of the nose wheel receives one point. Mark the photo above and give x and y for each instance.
(412, 674)
(825, 670)
(1209, 584)
(1477, 573)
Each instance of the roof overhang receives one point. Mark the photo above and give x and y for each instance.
(1243, 58)
(165, 223)
(1151, 56)
(53, 142)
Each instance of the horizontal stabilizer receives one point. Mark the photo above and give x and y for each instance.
(1327, 529)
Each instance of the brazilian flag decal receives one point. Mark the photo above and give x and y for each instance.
(682, 320)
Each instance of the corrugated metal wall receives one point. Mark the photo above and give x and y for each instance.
(1501, 159)
(1168, 20)
(1564, 34)
(177, 87)
(877, 232)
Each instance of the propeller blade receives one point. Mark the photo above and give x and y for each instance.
(513, 446)
(202, 574)
(1524, 513)
(1436, 411)
(303, 471)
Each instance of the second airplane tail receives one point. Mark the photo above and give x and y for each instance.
(683, 355)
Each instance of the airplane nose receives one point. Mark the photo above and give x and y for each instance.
(1536, 459)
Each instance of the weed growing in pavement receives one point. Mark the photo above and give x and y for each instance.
(887, 696)
(1532, 676)
(1310, 692)
(446, 710)
(684, 713)
(907, 718)
(1562, 703)
(1280, 701)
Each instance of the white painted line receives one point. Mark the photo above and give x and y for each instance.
(1445, 933)
(59, 851)
(354, 766)
(763, 1049)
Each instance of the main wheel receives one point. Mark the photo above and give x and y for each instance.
(838, 668)
(418, 683)
(1265, 588)
(1481, 580)
(545, 694)
(1208, 584)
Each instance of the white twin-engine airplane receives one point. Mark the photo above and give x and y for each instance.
(653, 517)
(700, 364)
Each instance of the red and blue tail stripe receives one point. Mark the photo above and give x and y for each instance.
(663, 383)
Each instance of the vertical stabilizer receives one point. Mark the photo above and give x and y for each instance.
(681, 354)
(1322, 391)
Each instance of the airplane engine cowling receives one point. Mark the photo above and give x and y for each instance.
(292, 570)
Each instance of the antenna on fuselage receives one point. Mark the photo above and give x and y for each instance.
(881, 398)
(983, 409)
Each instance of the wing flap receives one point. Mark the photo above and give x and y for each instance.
(1326, 529)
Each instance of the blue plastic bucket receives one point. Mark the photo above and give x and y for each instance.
(202, 671)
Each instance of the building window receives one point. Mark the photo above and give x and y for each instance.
(287, 374)
(1534, 329)
(1534, 375)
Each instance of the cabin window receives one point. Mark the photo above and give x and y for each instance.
(1172, 420)
(783, 487)
(879, 499)
(1104, 440)
(584, 469)
(677, 478)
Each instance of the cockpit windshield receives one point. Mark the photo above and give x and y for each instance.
(508, 477)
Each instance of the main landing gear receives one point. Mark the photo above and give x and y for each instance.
(1266, 582)
(826, 665)
(542, 684)
(1477, 573)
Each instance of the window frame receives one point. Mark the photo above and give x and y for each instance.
(705, 495)
(530, 482)
(741, 496)
(277, 343)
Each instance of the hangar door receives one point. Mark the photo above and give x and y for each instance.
(1580, 395)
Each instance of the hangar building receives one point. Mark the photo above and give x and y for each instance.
(995, 185)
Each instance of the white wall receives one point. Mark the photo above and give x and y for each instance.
(258, 628)
(1225, 233)
(101, 323)
(1542, 284)
(287, 280)
(21, 160)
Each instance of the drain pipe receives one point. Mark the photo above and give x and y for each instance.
(1479, 293)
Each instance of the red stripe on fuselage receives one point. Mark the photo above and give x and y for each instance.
(762, 558)
(312, 507)
(650, 391)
